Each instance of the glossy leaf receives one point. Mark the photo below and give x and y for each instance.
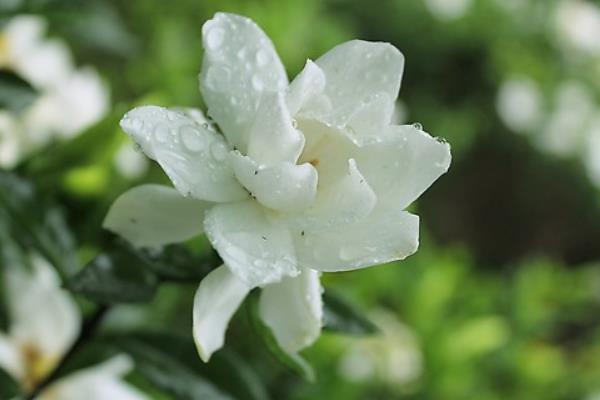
(116, 276)
(175, 262)
(168, 373)
(36, 224)
(342, 317)
(8, 387)
(16, 94)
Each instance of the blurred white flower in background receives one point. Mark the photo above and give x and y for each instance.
(44, 322)
(563, 132)
(129, 162)
(69, 99)
(591, 154)
(303, 177)
(578, 25)
(448, 9)
(568, 127)
(519, 104)
(392, 356)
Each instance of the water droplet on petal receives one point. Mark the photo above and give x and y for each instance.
(136, 124)
(262, 57)
(192, 138)
(217, 77)
(219, 151)
(257, 83)
(214, 38)
(418, 126)
(294, 123)
(161, 133)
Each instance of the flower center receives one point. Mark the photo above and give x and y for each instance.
(37, 365)
(4, 47)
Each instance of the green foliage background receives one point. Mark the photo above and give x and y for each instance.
(503, 297)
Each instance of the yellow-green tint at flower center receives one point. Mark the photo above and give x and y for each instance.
(37, 366)
(4, 51)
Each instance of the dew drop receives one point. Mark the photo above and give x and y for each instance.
(192, 138)
(136, 124)
(262, 57)
(294, 123)
(214, 38)
(217, 77)
(161, 133)
(257, 83)
(241, 54)
(218, 151)
(418, 126)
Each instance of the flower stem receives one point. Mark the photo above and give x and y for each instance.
(87, 332)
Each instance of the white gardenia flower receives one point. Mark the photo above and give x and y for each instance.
(69, 99)
(44, 323)
(290, 180)
(578, 25)
(519, 104)
(393, 357)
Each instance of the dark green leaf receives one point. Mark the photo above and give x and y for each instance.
(175, 262)
(116, 276)
(15, 93)
(35, 224)
(165, 371)
(341, 316)
(8, 387)
(294, 362)
(227, 370)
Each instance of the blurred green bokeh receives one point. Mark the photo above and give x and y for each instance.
(503, 298)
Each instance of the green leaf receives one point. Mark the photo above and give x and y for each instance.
(116, 276)
(342, 317)
(8, 387)
(16, 94)
(227, 370)
(160, 367)
(175, 262)
(294, 362)
(36, 224)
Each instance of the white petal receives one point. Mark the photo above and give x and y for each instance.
(283, 186)
(371, 118)
(385, 235)
(47, 65)
(240, 64)
(44, 318)
(100, 382)
(155, 215)
(309, 84)
(24, 33)
(343, 195)
(273, 138)
(403, 164)
(218, 297)
(193, 156)
(11, 138)
(84, 99)
(10, 358)
(357, 70)
(293, 309)
(348, 199)
(256, 248)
